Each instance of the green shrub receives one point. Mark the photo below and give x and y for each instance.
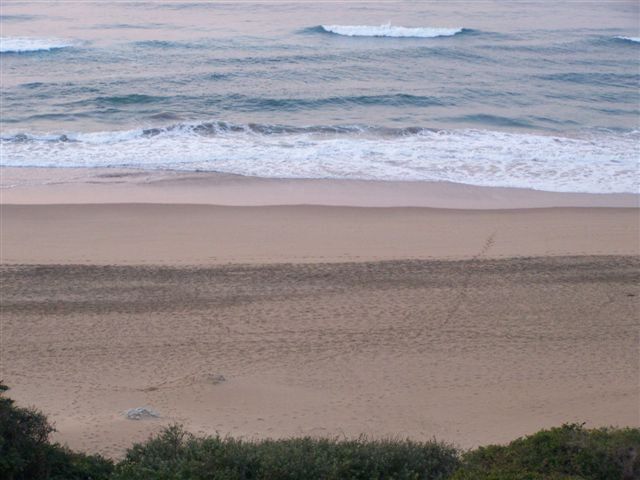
(27, 454)
(176, 454)
(567, 452)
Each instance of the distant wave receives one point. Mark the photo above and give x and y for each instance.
(493, 120)
(131, 99)
(17, 18)
(162, 44)
(31, 44)
(239, 102)
(602, 162)
(132, 26)
(389, 30)
(219, 128)
(630, 39)
(595, 78)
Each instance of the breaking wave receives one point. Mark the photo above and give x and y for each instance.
(603, 162)
(630, 39)
(389, 30)
(32, 44)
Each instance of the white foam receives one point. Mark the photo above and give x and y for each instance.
(630, 39)
(389, 30)
(599, 163)
(31, 44)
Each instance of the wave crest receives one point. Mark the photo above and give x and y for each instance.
(629, 39)
(32, 44)
(389, 30)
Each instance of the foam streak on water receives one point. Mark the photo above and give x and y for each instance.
(601, 163)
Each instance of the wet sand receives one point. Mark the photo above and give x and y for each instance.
(115, 185)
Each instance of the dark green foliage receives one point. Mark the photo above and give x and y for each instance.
(23, 440)
(567, 452)
(178, 455)
(27, 454)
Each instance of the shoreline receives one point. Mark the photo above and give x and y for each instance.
(25, 186)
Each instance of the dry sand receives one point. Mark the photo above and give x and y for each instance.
(471, 326)
(204, 234)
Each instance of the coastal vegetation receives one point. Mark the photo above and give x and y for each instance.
(569, 452)
(26, 453)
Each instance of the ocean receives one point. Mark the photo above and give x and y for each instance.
(537, 94)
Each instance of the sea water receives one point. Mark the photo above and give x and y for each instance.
(539, 94)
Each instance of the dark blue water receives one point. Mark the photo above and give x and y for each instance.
(539, 94)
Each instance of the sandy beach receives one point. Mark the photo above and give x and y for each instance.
(351, 220)
(470, 325)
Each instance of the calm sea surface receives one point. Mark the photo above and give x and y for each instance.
(541, 94)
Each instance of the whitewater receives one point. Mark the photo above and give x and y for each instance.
(600, 163)
(630, 39)
(32, 44)
(389, 30)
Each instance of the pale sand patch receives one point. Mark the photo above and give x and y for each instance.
(472, 351)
